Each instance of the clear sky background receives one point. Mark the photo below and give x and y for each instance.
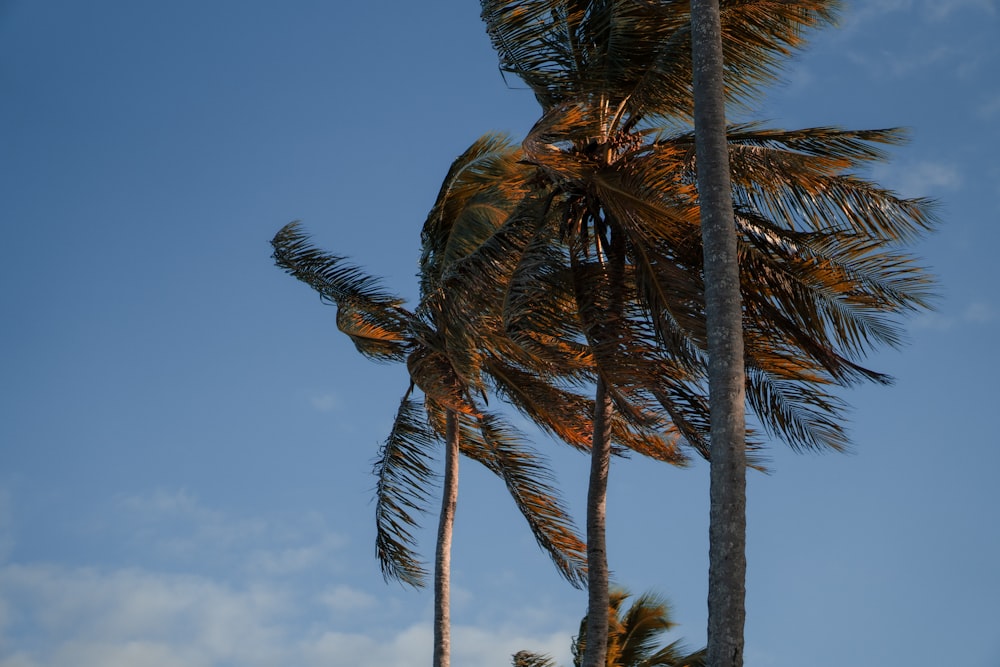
(186, 440)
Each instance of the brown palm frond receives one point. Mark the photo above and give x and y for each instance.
(636, 54)
(373, 318)
(500, 448)
(562, 413)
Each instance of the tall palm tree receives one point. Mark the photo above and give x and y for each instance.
(633, 635)
(382, 329)
(611, 223)
(724, 322)
(452, 360)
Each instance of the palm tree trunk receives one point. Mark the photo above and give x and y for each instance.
(727, 517)
(442, 560)
(595, 654)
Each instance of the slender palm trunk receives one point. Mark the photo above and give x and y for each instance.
(597, 554)
(596, 652)
(727, 518)
(442, 560)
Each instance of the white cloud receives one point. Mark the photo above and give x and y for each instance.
(897, 65)
(260, 608)
(178, 527)
(112, 618)
(934, 321)
(938, 10)
(412, 648)
(345, 599)
(86, 617)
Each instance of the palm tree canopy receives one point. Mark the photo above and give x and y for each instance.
(634, 635)
(822, 266)
(636, 54)
(383, 329)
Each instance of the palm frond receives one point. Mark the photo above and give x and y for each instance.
(495, 444)
(474, 198)
(562, 413)
(404, 478)
(529, 659)
(806, 179)
(635, 55)
(633, 634)
(373, 318)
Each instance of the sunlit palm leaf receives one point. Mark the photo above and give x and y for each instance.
(373, 318)
(500, 448)
(473, 200)
(634, 632)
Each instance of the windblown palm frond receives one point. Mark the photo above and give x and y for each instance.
(636, 54)
(450, 355)
(529, 659)
(474, 199)
(500, 448)
(633, 635)
(404, 478)
(373, 318)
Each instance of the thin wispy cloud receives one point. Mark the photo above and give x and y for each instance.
(972, 314)
(178, 528)
(979, 311)
(344, 599)
(927, 53)
(265, 610)
(90, 618)
(919, 178)
(930, 10)
(325, 403)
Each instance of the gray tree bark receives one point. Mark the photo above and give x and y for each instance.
(595, 653)
(727, 518)
(442, 559)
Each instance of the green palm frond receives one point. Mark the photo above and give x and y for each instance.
(529, 659)
(641, 625)
(633, 634)
(373, 318)
(404, 478)
(500, 448)
(473, 200)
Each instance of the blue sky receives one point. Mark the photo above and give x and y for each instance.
(186, 440)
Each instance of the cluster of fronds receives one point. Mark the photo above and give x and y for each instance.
(577, 256)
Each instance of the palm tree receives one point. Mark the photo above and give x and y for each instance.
(452, 360)
(381, 328)
(610, 223)
(633, 635)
